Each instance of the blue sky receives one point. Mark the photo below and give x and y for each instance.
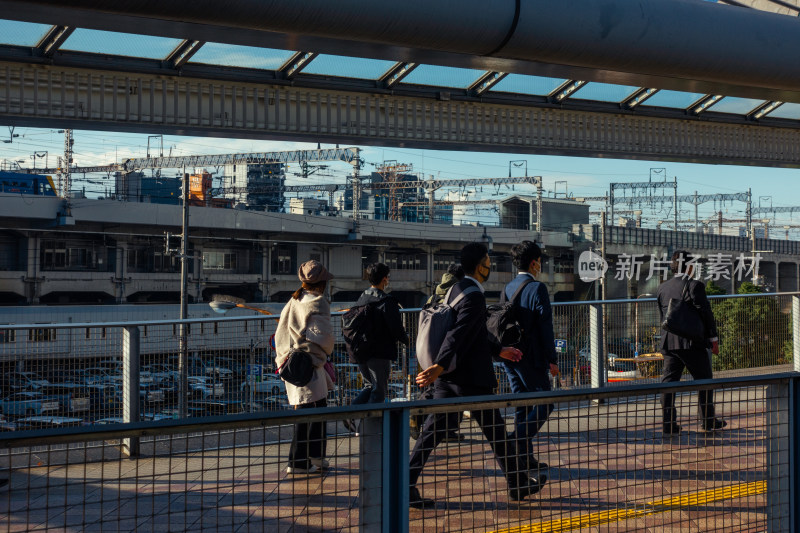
(572, 175)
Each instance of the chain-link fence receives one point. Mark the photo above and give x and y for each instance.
(73, 374)
(603, 461)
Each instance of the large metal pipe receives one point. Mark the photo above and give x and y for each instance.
(685, 44)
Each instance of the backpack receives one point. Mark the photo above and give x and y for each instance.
(502, 320)
(360, 332)
(434, 323)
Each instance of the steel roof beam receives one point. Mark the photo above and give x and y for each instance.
(638, 97)
(486, 82)
(395, 74)
(565, 90)
(53, 39)
(296, 63)
(183, 52)
(704, 103)
(764, 109)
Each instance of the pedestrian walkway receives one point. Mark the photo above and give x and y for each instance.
(618, 475)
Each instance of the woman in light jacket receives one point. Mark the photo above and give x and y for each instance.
(305, 324)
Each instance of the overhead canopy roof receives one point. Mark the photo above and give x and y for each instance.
(661, 56)
(681, 59)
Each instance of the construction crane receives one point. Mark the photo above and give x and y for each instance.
(347, 155)
(390, 172)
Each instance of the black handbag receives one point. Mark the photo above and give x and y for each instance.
(298, 368)
(682, 319)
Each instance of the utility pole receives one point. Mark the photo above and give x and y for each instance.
(65, 172)
(675, 203)
(539, 210)
(184, 348)
(696, 220)
(603, 253)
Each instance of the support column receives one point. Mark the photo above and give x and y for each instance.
(597, 346)
(781, 427)
(32, 287)
(130, 385)
(383, 477)
(796, 333)
(266, 263)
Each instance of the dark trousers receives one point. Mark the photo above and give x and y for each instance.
(491, 423)
(698, 362)
(309, 440)
(376, 373)
(529, 419)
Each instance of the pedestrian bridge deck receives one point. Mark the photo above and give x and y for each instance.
(610, 470)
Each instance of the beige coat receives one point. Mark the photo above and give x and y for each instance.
(306, 324)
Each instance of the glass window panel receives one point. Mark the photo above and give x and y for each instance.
(230, 55)
(443, 76)
(740, 106)
(120, 44)
(348, 67)
(522, 84)
(22, 33)
(604, 92)
(787, 111)
(677, 99)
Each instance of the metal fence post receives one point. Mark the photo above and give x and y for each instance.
(780, 422)
(130, 385)
(383, 477)
(796, 332)
(597, 346)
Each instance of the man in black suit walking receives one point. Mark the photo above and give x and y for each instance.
(680, 352)
(468, 343)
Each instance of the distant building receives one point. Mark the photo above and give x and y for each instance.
(558, 214)
(136, 187)
(308, 206)
(257, 186)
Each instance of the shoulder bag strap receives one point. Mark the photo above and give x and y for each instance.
(518, 293)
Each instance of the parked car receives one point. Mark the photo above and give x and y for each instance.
(72, 398)
(27, 403)
(150, 393)
(205, 387)
(42, 422)
(103, 399)
(269, 384)
(110, 420)
(30, 380)
(6, 425)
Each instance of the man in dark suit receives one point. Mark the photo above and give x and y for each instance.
(539, 359)
(468, 343)
(680, 352)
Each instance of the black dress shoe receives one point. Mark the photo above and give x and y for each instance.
(416, 500)
(535, 464)
(671, 430)
(535, 484)
(714, 425)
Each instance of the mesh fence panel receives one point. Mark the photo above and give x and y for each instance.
(609, 466)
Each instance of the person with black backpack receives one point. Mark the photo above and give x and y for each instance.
(371, 329)
(453, 275)
(533, 318)
(460, 364)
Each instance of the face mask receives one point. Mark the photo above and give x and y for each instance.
(484, 271)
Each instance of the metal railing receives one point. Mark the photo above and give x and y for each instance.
(71, 374)
(609, 466)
